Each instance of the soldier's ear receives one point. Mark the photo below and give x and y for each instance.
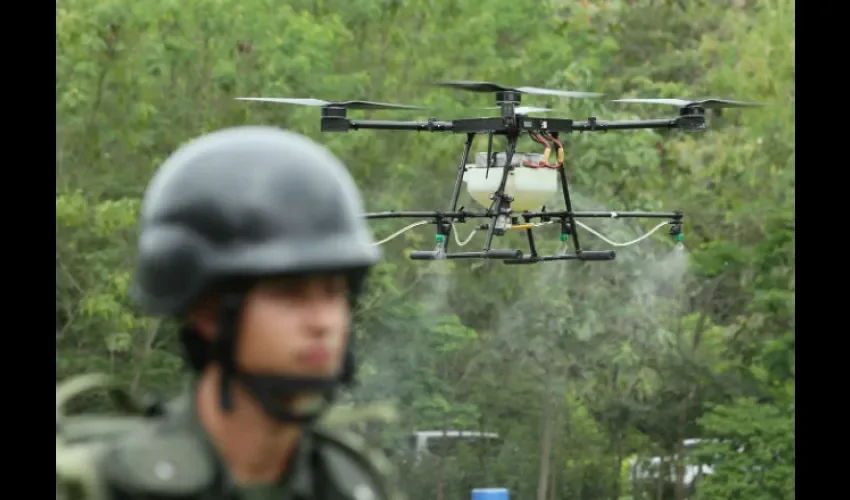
(204, 318)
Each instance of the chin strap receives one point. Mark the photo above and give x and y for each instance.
(276, 395)
(224, 347)
(348, 376)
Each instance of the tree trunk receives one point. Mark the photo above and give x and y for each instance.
(680, 465)
(661, 478)
(680, 452)
(614, 446)
(574, 486)
(553, 474)
(618, 466)
(441, 470)
(441, 479)
(484, 455)
(546, 440)
(637, 493)
(553, 485)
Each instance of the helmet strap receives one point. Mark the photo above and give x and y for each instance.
(349, 369)
(224, 347)
(274, 392)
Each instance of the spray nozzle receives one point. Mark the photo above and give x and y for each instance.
(676, 232)
(566, 230)
(443, 230)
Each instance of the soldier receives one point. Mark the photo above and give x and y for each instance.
(253, 237)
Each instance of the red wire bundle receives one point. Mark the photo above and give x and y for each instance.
(544, 163)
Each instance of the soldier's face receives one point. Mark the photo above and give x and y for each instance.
(295, 326)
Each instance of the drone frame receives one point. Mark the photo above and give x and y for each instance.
(511, 125)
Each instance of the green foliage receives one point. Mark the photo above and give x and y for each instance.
(624, 359)
(754, 454)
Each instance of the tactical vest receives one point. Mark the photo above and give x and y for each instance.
(144, 454)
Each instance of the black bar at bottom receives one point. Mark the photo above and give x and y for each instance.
(597, 255)
(588, 255)
(557, 213)
(503, 254)
(492, 254)
(424, 254)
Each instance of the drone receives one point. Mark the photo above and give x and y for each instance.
(513, 185)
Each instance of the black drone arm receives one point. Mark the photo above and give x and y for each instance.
(593, 125)
(686, 122)
(690, 122)
(344, 125)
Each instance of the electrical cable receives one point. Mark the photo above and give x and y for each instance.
(584, 226)
(401, 231)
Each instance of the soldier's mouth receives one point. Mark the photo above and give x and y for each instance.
(316, 356)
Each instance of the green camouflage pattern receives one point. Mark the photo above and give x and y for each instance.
(132, 456)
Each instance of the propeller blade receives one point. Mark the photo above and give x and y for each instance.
(524, 110)
(726, 103)
(286, 100)
(474, 86)
(558, 93)
(705, 103)
(374, 105)
(321, 103)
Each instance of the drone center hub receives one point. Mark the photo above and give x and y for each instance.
(333, 112)
(508, 96)
(691, 111)
(530, 188)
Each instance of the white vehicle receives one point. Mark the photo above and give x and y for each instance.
(648, 468)
(444, 443)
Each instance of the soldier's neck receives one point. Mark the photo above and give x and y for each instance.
(255, 447)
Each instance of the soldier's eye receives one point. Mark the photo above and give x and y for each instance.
(336, 286)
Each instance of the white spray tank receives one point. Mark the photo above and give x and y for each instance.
(531, 188)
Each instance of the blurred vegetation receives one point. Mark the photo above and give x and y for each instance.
(582, 369)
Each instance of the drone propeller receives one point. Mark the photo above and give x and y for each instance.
(339, 104)
(473, 86)
(705, 103)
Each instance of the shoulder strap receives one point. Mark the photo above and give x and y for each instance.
(159, 461)
(82, 439)
(135, 452)
(353, 469)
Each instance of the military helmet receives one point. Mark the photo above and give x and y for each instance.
(246, 202)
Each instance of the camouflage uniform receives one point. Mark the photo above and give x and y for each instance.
(168, 455)
(242, 203)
